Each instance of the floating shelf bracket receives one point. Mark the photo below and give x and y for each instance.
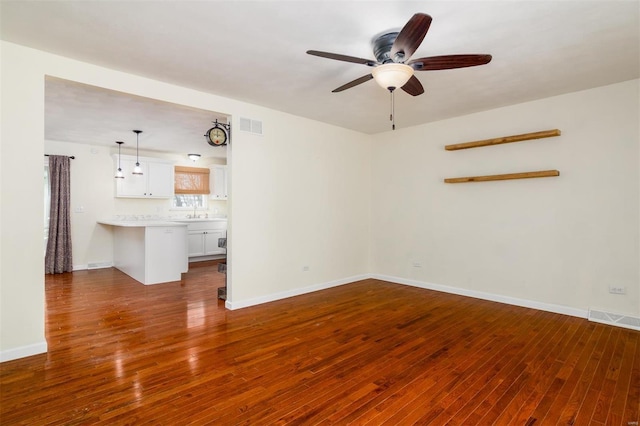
(504, 139)
(525, 175)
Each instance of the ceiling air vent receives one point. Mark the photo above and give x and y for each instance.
(251, 126)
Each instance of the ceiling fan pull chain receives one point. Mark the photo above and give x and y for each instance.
(393, 113)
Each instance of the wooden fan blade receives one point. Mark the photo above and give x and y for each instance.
(410, 37)
(448, 62)
(344, 58)
(413, 86)
(355, 82)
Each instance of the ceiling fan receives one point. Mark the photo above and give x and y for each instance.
(392, 67)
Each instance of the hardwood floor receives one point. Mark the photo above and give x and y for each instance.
(370, 352)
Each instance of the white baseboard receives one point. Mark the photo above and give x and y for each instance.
(99, 265)
(23, 351)
(549, 307)
(205, 258)
(92, 265)
(290, 293)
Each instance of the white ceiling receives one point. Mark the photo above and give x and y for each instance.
(255, 52)
(80, 113)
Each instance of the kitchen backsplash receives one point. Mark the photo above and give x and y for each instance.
(162, 209)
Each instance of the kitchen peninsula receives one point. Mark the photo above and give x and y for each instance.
(151, 252)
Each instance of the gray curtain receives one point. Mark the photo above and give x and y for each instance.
(58, 256)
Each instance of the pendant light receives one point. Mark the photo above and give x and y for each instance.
(119, 174)
(194, 157)
(137, 170)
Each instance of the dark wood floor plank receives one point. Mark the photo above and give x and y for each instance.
(510, 363)
(468, 378)
(632, 405)
(570, 374)
(453, 344)
(513, 372)
(580, 402)
(541, 370)
(358, 365)
(370, 352)
(399, 355)
(586, 415)
(606, 397)
(616, 410)
(405, 395)
(475, 350)
(437, 401)
(586, 371)
(489, 380)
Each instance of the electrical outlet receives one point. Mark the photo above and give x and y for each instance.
(305, 268)
(417, 265)
(617, 289)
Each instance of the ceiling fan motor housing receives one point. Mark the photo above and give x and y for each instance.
(382, 46)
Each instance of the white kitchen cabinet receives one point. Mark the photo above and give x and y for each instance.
(155, 182)
(203, 236)
(205, 243)
(161, 180)
(218, 182)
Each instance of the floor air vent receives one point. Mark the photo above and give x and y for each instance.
(99, 265)
(614, 319)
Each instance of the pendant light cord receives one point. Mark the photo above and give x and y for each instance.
(137, 170)
(137, 145)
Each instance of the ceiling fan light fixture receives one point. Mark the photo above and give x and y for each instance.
(194, 157)
(392, 76)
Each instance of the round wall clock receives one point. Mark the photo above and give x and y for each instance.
(217, 135)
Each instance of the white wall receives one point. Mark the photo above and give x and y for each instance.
(319, 174)
(559, 241)
(21, 195)
(300, 193)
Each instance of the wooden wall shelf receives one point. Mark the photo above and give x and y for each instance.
(525, 175)
(505, 139)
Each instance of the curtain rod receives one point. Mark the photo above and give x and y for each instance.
(71, 156)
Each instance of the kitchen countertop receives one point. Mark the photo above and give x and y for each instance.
(200, 219)
(141, 223)
(158, 222)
